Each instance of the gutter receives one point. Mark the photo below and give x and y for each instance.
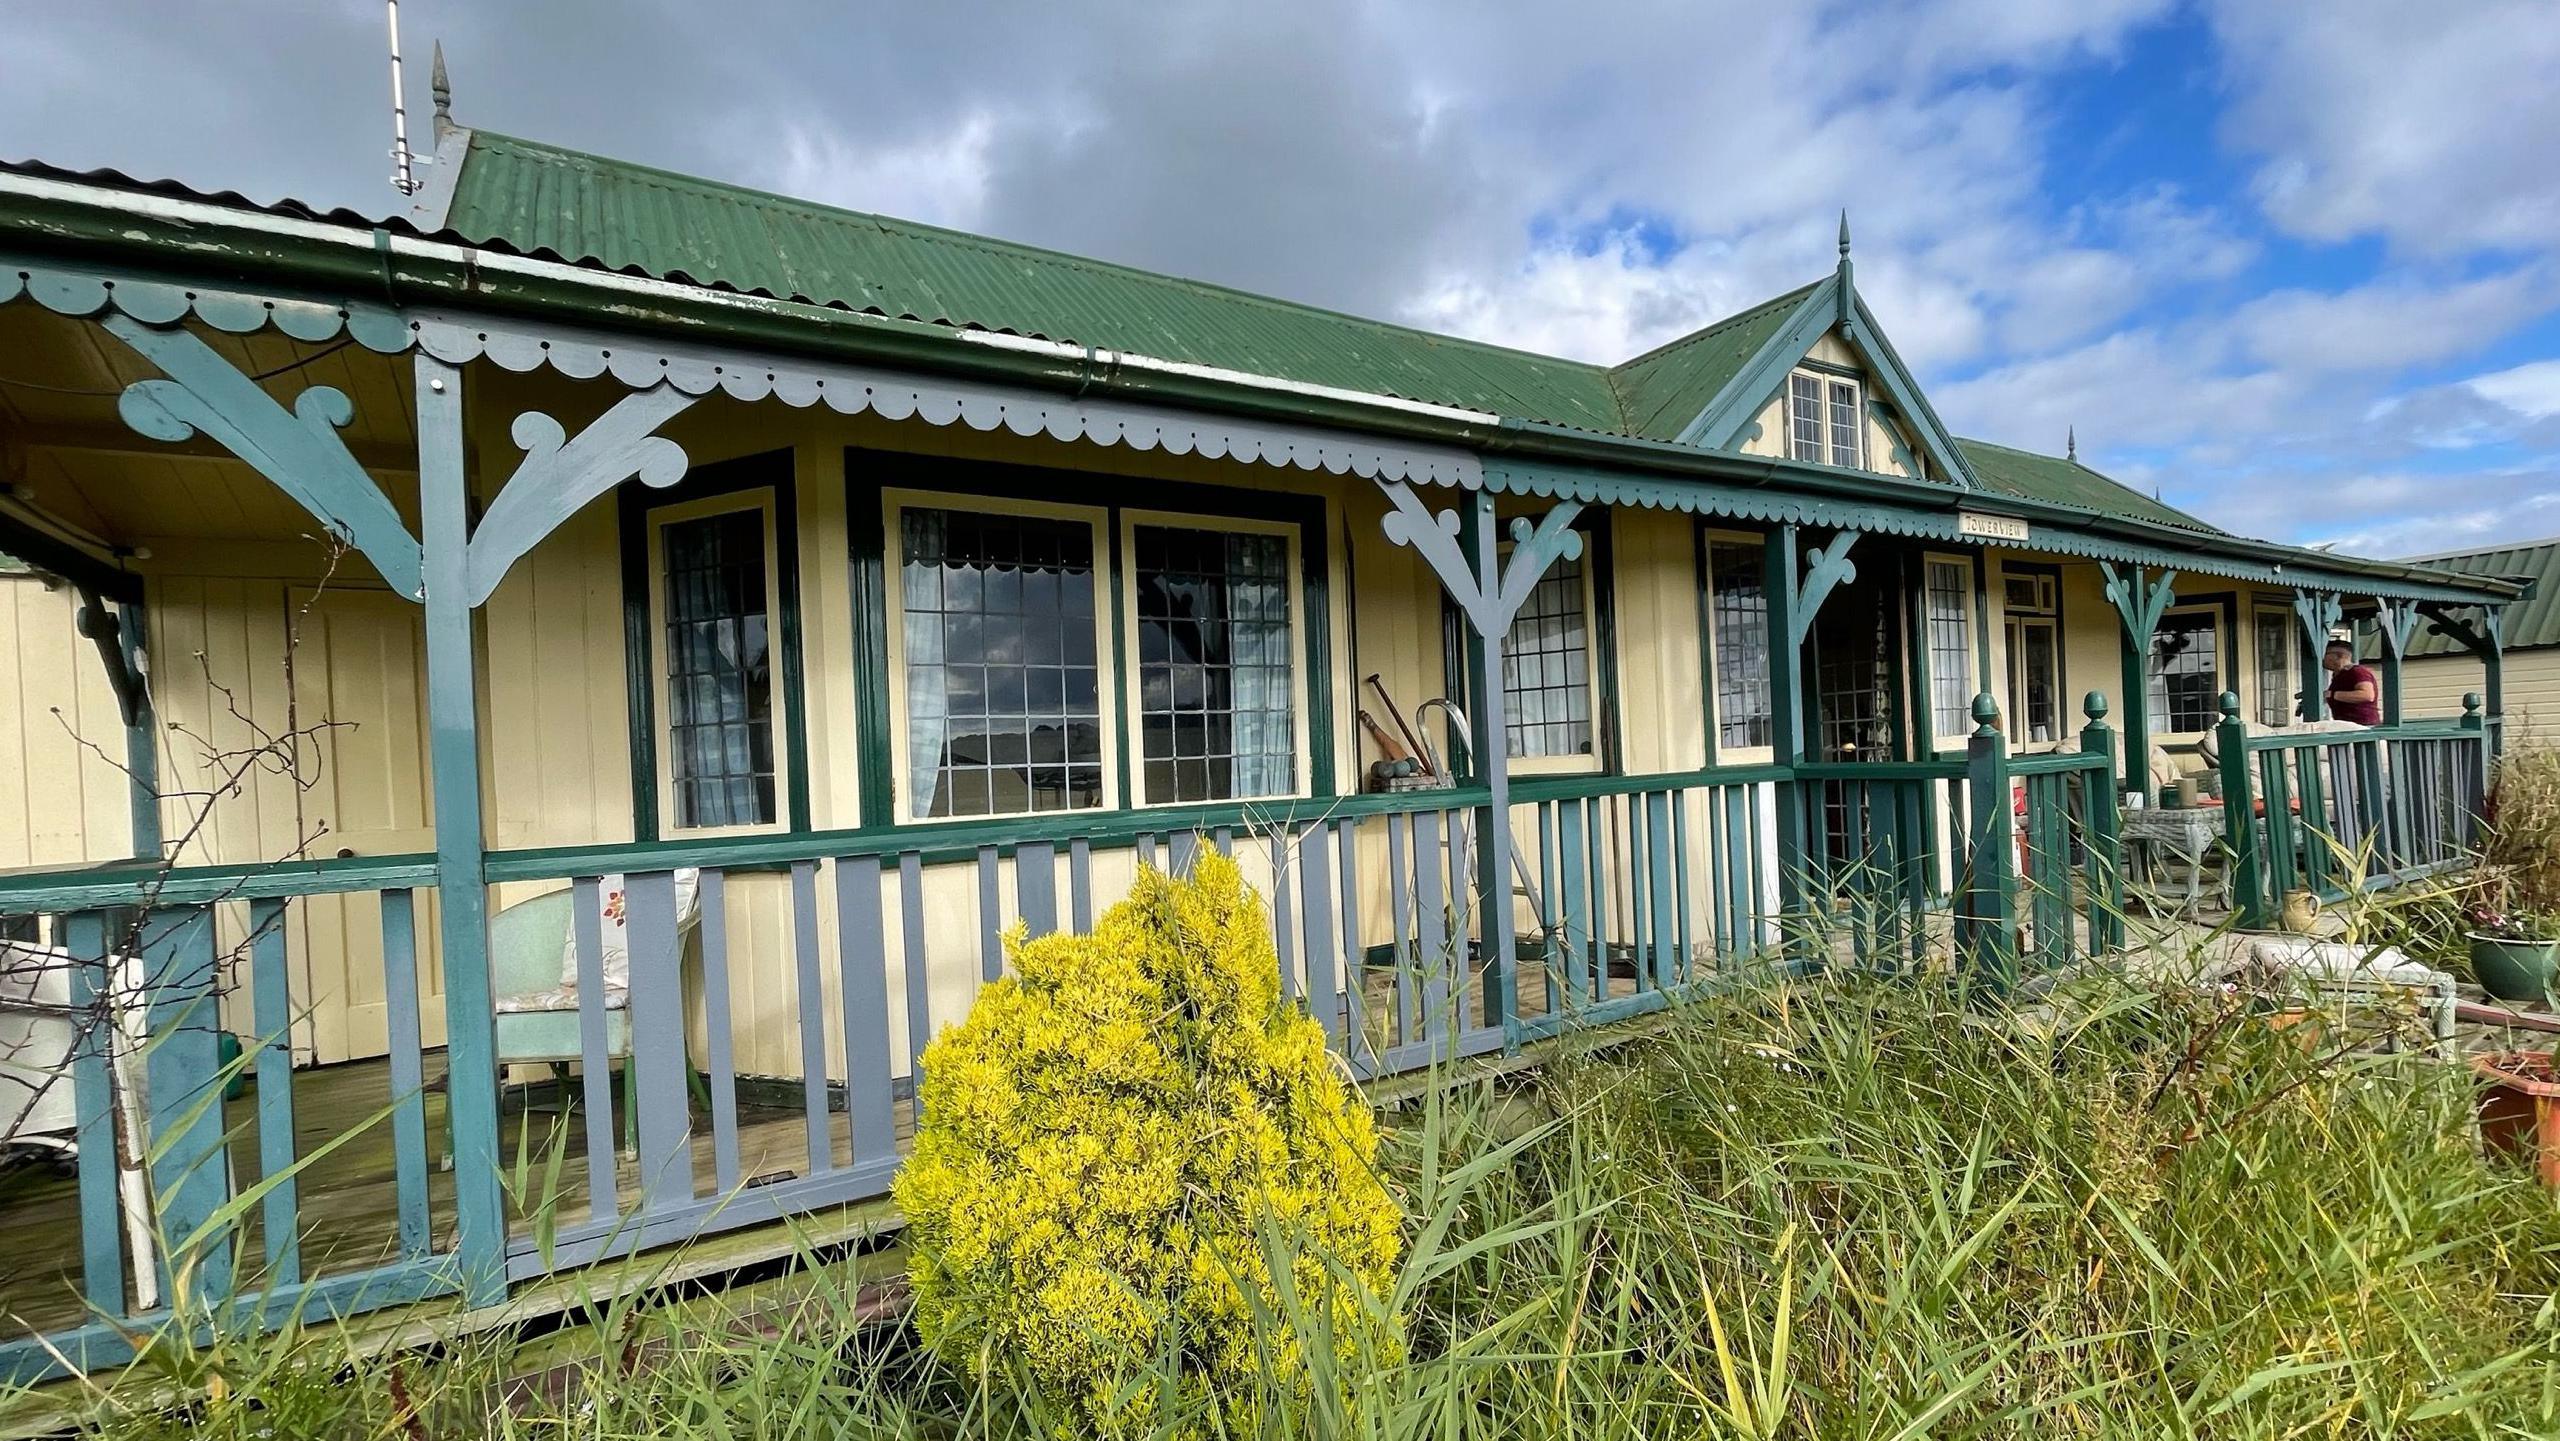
(145, 229)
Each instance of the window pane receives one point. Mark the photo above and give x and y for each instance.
(1950, 624)
(1546, 668)
(996, 607)
(1217, 707)
(2040, 666)
(1845, 429)
(2275, 667)
(1804, 417)
(1740, 606)
(2185, 674)
(719, 671)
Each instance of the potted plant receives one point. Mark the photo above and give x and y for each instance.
(2520, 1109)
(2513, 952)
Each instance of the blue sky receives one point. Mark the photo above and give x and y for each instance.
(2292, 265)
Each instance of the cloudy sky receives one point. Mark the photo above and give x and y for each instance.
(2297, 267)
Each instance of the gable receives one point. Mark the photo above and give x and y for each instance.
(1888, 439)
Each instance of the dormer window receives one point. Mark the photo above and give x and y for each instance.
(1823, 420)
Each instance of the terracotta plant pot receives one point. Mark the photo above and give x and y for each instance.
(2520, 1109)
(2515, 970)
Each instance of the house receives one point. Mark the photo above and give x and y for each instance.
(2523, 672)
(615, 619)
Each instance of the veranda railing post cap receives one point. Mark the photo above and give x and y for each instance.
(2231, 705)
(2094, 706)
(1986, 713)
(2470, 704)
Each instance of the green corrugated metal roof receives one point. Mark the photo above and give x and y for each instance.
(1664, 389)
(2532, 621)
(2025, 474)
(588, 209)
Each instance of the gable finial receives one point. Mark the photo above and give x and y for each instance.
(1844, 232)
(441, 87)
(2071, 443)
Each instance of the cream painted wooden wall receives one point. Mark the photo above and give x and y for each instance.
(61, 802)
(2435, 686)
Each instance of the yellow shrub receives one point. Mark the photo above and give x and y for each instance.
(1109, 1140)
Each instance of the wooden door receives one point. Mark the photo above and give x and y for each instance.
(359, 691)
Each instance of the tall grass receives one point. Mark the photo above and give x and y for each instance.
(1864, 1210)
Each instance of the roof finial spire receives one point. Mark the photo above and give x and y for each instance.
(1844, 232)
(442, 88)
(2071, 443)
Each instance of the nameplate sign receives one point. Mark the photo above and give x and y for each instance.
(1990, 527)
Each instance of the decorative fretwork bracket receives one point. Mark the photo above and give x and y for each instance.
(2483, 637)
(2320, 612)
(2396, 621)
(300, 451)
(560, 476)
(2140, 599)
(1489, 592)
(1827, 568)
(107, 629)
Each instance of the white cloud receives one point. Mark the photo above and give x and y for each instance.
(940, 178)
(2531, 390)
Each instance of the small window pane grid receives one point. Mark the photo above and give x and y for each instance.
(1546, 668)
(2025, 592)
(1741, 611)
(1950, 627)
(719, 671)
(1004, 712)
(2276, 699)
(1846, 432)
(2184, 670)
(1216, 706)
(1854, 672)
(2038, 702)
(1805, 426)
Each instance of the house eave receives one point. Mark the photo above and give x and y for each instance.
(407, 268)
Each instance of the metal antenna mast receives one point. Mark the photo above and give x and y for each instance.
(404, 177)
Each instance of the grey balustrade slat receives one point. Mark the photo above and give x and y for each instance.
(1551, 948)
(1355, 963)
(1430, 909)
(586, 927)
(1718, 862)
(1146, 848)
(919, 970)
(1595, 830)
(408, 1081)
(93, 1103)
(1284, 939)
(271, 1005)
(1225, 840)
(1687, 955)
(1185, 848)
(711, 897)
(1324, 939)
(658, 1049)
(990, 917)
(1657, 806)
(1035, 887)
(1640, 927)
(1406, 950)
(1080, 883)
(813, 1022)
(863, 951)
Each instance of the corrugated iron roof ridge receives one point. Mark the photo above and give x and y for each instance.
(889, 226)
(2076, 470)
(1628, 377)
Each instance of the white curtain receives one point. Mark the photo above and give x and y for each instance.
(928, 696)
(1263, 699)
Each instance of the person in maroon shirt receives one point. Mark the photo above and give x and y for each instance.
(2354, 695)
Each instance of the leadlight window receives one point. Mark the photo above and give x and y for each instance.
(1950, 627)
(2033, 613)
(718, 660)
(1824, 423)
(1546, 667)
(1217, 695)
(2274, 647)
(2185, 673)
(1739, 605)
(1002, 673)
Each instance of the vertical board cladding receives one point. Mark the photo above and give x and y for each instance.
(62, 782)
(2433, 688)
(1662, 693)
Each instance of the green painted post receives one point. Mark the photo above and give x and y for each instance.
(2486, 739)
(2493, 664)
(471, 1076)
(2139, 601)
(1986, 924)
(141, 739)
(1491, 743)
(1786, 730)
(2239, 825)
(2104, 831)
